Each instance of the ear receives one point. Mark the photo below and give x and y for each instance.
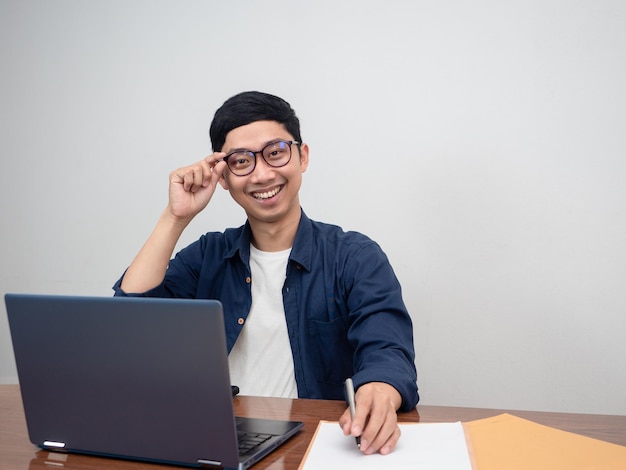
(304, 157)
(222, 180)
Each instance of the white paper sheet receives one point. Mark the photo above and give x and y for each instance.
(423, 446)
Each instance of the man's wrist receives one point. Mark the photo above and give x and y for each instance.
(174, 223)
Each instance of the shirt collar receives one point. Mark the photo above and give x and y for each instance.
(301, 252)
(241, 244)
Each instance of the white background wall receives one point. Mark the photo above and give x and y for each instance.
(481, 143)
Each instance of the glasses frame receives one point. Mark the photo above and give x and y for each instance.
(254, 154)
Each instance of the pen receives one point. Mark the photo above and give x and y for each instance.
(351, 403)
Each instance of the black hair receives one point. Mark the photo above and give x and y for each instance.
(249, 107)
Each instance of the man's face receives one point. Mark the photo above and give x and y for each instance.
(268, 194)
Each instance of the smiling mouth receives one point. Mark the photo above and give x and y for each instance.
(267, 194)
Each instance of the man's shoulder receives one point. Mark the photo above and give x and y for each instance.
(227, 235)
(223, 242)
(337, 231)
(338, 236)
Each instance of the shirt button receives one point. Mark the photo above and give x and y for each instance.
(241, 321)
(248, 280)
(298, 266)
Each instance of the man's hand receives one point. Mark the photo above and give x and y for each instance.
(191, 187)
(375, 419)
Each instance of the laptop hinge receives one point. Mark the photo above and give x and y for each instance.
(54, 445)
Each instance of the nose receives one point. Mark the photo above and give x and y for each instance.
(262, 171)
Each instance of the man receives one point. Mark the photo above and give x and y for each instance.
(306, 305)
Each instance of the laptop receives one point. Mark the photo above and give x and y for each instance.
(133, 378)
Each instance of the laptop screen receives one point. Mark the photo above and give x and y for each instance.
(129, 377)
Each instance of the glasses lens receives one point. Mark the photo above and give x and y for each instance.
(241, 163)
(277, 153)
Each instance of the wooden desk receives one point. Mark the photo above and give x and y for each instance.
(17, 453)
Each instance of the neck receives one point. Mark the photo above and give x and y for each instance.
(275, 236)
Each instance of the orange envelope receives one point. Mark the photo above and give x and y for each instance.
(512, 443)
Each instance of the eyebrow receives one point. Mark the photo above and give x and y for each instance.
(244, 149)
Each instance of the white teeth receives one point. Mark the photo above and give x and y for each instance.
(267, 194)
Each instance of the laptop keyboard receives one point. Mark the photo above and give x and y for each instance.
(249, 441)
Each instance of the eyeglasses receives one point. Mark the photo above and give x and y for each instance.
(275, 154)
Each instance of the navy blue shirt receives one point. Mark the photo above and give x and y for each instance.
(343, 305)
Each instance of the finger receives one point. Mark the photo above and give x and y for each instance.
(388, 446)
(214, 158)
(217, 171)
(374, 438)
(345, 422)
(363, 411)
(176, 177)
(201, 174)
(216, 165)
(380, 427)
(193, 176)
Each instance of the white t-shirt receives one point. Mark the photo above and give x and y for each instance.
(261, 362)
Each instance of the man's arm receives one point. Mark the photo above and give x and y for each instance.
(149, 266)
(190, 190)
(382, 334)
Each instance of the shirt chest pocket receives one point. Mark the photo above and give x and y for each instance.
(333, 355)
